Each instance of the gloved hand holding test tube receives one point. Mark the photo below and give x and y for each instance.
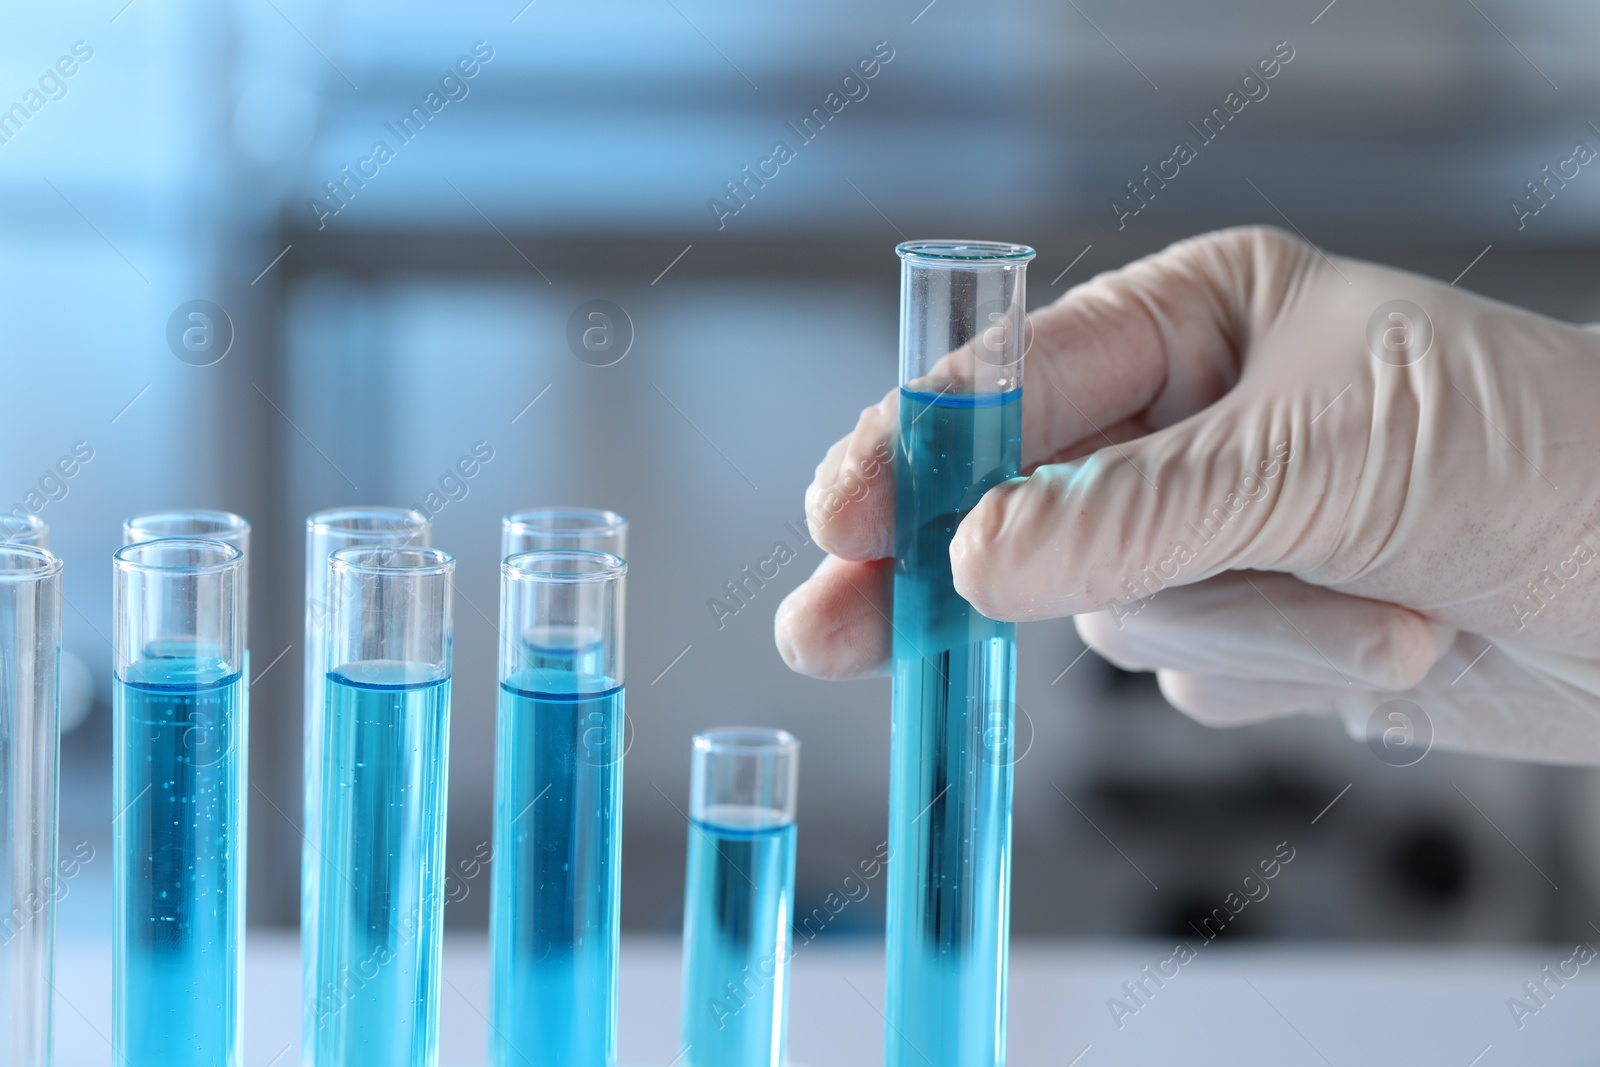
(1286, 482)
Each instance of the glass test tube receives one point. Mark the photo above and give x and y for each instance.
(739, 898)
(21, 528)
(326, 533)
(30, 647)
(178, 787)
(962, 324)
(200, 524)
(380, 907)
(584, 529)
(571, 529)
(555, 881)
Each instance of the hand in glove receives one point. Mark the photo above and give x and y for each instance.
(1284, 482)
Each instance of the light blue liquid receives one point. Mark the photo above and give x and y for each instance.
(380, 917)
(554, 919)
(738, 906)
(950, 754)
(178, 789)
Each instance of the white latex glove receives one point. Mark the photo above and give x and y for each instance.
(1230, 488)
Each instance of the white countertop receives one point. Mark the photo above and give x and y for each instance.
(1287, 1005)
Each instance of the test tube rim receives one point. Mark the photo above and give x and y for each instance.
(46, 564)
(229, 525)
(336, 520)
(349, 560)
(35, 530)
(732, 740)
(610, 567)
(126, 557)
(540, 521)
(959, 253)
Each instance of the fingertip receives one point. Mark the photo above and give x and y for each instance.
(999, 549)
(1218, 701)
(1101, 631)
(850, 502)
(1411, 645)
(835, 624)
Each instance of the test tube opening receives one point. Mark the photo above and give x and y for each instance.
(391, 604)
(744, 777)
(22, 528)
(26, 563)
(541, 529)
(963, 319)
(197, 523)
(376, 524)
(562, 621)
(179, 600)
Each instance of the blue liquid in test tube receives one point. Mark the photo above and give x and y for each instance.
(739, 899)
(326, 533)
(554, 896)
(179, 788)
(950, 776)
(380, 913)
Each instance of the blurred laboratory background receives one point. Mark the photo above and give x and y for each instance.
(396, 222)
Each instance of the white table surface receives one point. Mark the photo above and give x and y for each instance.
(1317, 1005)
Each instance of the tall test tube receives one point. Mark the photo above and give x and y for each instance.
(326, 533)
(380, 909)
(583, 529)
(739, 898)
(30, 649)
(554, 885)
(962, 324)
(178, 787)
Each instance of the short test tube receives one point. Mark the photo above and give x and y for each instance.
(555, 878)
(739, 898)
(30, 884)
(178, 787)
(962, 340)
(326, 533)
(380, 907)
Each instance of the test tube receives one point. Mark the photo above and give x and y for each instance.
(583, 529)
(380, 909)
(178, 788)
(326, 533)
(570, 529)
(207, 525)
(554, 883)
(30, 647)
(21, 528)
(962, 324)
(202, 524)
(739, 898)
